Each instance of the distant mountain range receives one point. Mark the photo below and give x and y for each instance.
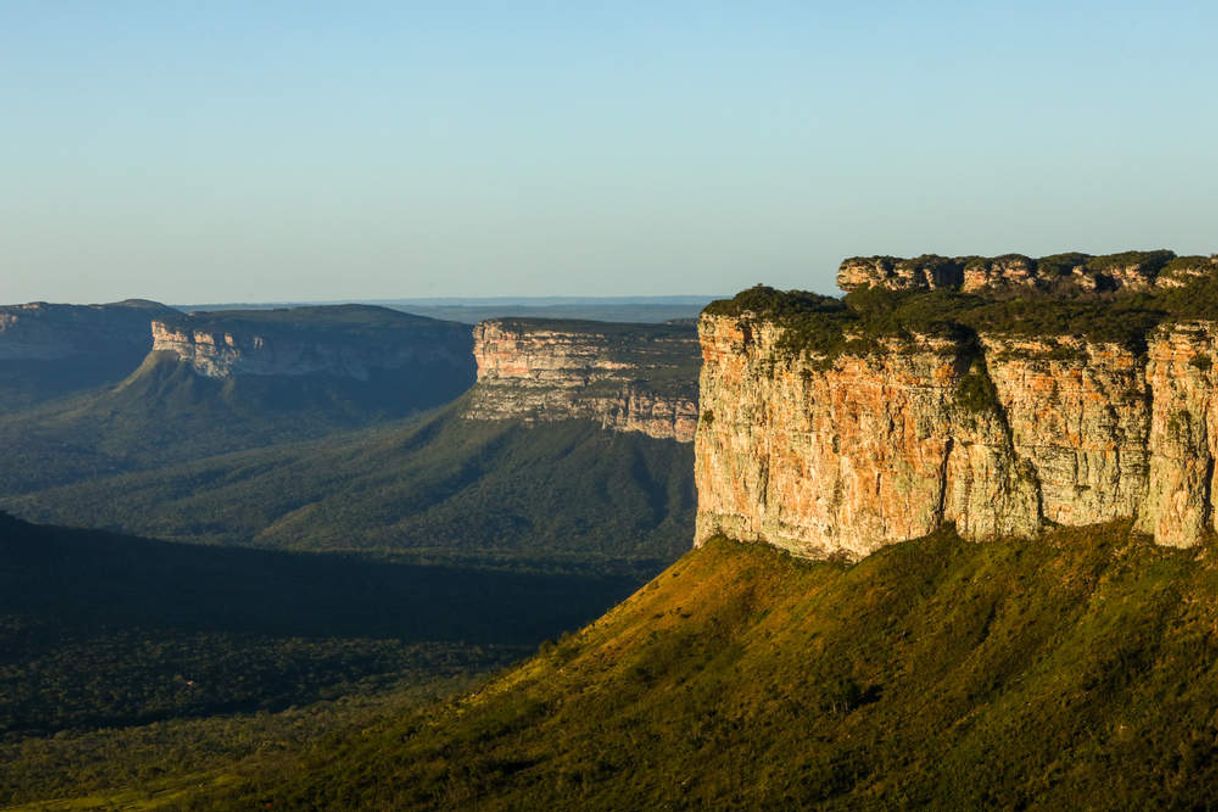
(637, 309)
(48, 351)
(298, 428)
(212, 383)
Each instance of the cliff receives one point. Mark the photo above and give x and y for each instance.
(39, 331)
(835, 427)
(1128, 271)
(347, 341)
(631, 377)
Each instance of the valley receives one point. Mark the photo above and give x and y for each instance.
(599, 407)
(943, 542)
(327, 548)
(106, 635)
(585, 461)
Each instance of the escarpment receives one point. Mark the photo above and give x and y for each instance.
(356, 342)
(39, 331)
(51, 350)
(1129, 271)
(632, 377)
(836, 426)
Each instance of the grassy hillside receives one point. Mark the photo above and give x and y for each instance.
(1078, 671)
(443, 489)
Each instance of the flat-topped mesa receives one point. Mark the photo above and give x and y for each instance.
(626, 377)
(39, 331)
(1012, 273)
(347, 341)
(835, 427)
(48, 351)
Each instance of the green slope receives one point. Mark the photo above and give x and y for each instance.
(446, 488)
(1077, 671)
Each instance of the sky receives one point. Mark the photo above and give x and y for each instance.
(269, 151)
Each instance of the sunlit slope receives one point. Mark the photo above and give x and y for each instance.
(1075, 671)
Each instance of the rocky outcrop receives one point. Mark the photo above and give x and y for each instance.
(625, 377)
(352, 342)
(1179, 505)
(846, 458)
(1077, 414)
(1013, 273)
(927, 272)
(998, 434)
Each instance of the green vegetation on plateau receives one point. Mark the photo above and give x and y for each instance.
(1078, 670)
(828, 326)
(349, 321)
(441, 489)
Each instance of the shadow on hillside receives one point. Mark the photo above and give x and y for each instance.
(90, 580)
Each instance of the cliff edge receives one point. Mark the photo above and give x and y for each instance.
(626, 377)
(833, 427)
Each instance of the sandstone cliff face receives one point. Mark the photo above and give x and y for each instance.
(341, 342)
(1179, 507)
(625, 377)
(1013, 273)
(999, 435)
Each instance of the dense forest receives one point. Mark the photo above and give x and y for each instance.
(106, 631)
(563, 495)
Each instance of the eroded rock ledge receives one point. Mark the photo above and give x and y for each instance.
(827, 430)
(626, 377)
(1130, 271)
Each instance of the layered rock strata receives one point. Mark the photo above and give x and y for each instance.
(999, 435)
(624, 377)
(1012, 273)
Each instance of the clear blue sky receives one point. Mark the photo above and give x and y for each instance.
(212, 151)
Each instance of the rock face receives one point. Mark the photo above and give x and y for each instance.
(1012, 273)
(353, 342)
(625, 377)
(998, 434)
